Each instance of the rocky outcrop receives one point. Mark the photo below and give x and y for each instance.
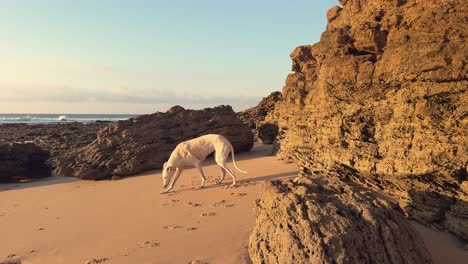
(145, 142)
(23, 162)
(382, 99)
(58, 139)
(320, 219)
(255, 118)
(266, 133)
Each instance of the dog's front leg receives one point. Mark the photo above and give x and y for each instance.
(202, 175)
(176, 177)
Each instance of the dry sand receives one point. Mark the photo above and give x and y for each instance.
(64, 220)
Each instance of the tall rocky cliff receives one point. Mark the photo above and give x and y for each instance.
(381, 101)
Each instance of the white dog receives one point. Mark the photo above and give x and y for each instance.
(194, 152)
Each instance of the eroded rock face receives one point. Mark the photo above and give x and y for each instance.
(255, 117)
(23, 161)
(145, 142)
(382, 98)
(320, 219)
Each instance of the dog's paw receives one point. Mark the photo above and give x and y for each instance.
(164, 192)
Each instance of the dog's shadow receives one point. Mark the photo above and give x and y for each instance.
(242, 182)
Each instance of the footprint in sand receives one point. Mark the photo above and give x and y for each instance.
(209, 214)
(13, 261)
(238, 194)
(148, 244)
(97, 260)
(178, 227)
(194, 204)
(172, 227)
(171, 202)
(197, 262)
(222, 203)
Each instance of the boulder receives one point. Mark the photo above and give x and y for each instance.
(58, 139)
(320, 219)
(266, 133)
(255, 116)
(145, 142)
(23, 162)
(383, 99)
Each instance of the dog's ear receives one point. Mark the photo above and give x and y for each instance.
(168, 167)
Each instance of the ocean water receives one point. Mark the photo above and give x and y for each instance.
(59, 118)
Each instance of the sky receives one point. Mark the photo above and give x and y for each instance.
(142, 56)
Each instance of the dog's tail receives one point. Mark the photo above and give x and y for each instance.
(234, 161)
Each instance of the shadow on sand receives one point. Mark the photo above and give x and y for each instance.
(256, 152)
(243, 182)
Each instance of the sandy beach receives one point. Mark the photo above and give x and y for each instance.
(64, 220)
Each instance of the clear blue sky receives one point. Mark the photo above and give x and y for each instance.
(135, 56)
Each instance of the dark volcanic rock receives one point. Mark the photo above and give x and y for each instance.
(23, 161)
(58, 139)
(321, 219)
(382, 99)
(145, 142)
(254, 117)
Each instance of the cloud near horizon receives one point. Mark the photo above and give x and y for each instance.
(123, 96)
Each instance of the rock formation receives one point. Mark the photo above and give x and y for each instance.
(266, 133)
(58, 139)
(23, 161)
(321, 219)
(381, 101)
(145, 142)
(254, 117)
(383, 95)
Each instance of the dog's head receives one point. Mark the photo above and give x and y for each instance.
(167, 173)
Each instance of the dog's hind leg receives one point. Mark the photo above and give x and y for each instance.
(223, 173)
(222, 164)
(202, 175)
